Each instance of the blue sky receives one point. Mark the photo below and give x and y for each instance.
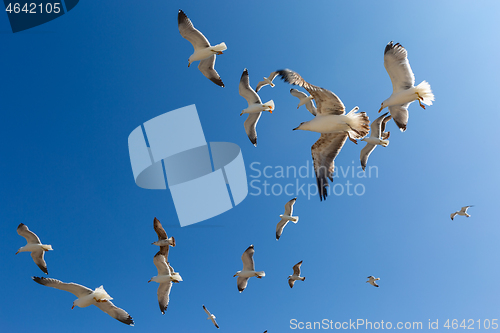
(74, 88)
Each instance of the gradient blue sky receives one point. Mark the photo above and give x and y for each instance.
(74, 88)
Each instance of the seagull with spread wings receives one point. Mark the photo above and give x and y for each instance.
(248, 270)
(461, 212)
(286, 217)
(371, 280)
(210, 316)
(334, 125)
(165, 277)
(203, 51)
(304, 99)
(34, 246)
(163, 240)
(378, 137)
(266, 81)
(86, 296)
(296, 275)
(403, 80)
(255, 107)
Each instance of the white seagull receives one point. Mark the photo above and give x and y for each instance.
(210, 316)
(304, 99)
(287, 216)
(267, 81)
(165, 277)
(163, 240)
(296, 275)
(371, 280)
(248, 269)
(333, 124)
(255, 107)
(378, 136)
(34, 246)
(404, 92)
(98, 297)
(461, 212)
(203, 51)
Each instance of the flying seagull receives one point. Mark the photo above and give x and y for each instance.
(165, 277)
(248, 269)
(372, 279)
(378, 136)
(255, 107)
(461, 212)
(333, 124)
(267, 81)
(98, 297)
(163, 241)
(287, 216)
(296, 275)
(34, 246)
(404, 92)
(304, 99)
(210, 316)
(203, 51)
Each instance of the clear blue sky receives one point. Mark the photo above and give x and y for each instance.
(73, 89)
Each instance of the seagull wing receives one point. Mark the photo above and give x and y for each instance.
(365, 153)
(296, 268)
(251, 127)
(31, 237)
(323, 153)
(373, 283)
(279, 227)
(189, 32)
(464, 209)
(115, 312)
(242, 283)
(289, 207)
(215, 323)
(76, 289)
(376, 126)
(246, 91)
(206, 310)
(39, 261)
(453, 215)
(327, 101)
(291, 282)
(398, 67)
(160, 262)
(206, 66)
(247, 258)
(163, 295)
(400, 115)
(385, 135)
(159, 229)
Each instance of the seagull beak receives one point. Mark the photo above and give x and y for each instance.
(219, 53)
(189, 64)
(17, 252)
(241, 113)
(297, 107)
(73, 307)
(381, 107)
(234, 276)
(149, 281)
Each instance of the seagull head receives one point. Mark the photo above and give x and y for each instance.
(302, 126)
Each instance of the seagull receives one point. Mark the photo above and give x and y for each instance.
(296, 275)
(203, 51)
(304, 99)
(165, 277)
(333, 124)
(255, 107)
(377, 137)
(461, 212)
(248, 269)
(210, 316)
(163, 241)
(372, 280)
(99, 297)
(267, 81)
(404, 92)
(287, 216)
(34, 246)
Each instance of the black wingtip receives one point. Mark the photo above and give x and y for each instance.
(128, 321)
(38, 279)
(388, 47)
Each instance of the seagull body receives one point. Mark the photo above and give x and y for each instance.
(296, 275)
(86, 296)
(34, 246)
(255, 107)
(461, 212)
(404, 92)
(248, 270)
(210, 316)
(286, 217)
(267, 81)
(371, 280)
(333, 124)
(203, 51)
(165, 277)
(304, 100)
(377, 138)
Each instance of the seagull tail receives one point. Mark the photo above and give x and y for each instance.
(269, 105)
(359, 122)
(385, 143)
(424, 91)
(220, 47)
(294, 219)
(47, 247)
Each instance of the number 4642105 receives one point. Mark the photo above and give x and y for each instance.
(469, 324)
(33, 8)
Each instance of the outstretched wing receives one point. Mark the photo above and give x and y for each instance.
(289, 207)
(247, 258)
(398, 67)
(189, 32)
(296, 268)
(76, 289)
(207, 67)
(31, 237)
(115, 312)
(246, 91)
(251, 127)
(164, 295)
(39, 261)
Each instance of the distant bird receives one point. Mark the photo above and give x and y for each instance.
(34, 246)
(371, 280)
(404, 92)
(267, 81)
(333, 124)
(255, 107)
(165, 277)
(296, 275)
(210, 316)
(163, 241)
(304, 99)
(461, 212)
(248, 269)
(203, 51)
(378, 136)
(98, 297)
(287, 216)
